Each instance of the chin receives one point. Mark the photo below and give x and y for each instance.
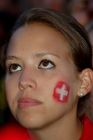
(32, 125)
(31, 122)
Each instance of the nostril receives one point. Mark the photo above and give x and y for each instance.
(23, 84)
(27, 79)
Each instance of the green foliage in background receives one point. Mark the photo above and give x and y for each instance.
(2, 102)
(2, 95)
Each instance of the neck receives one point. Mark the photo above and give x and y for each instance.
(66, 128)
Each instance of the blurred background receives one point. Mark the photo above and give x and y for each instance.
(10, 10)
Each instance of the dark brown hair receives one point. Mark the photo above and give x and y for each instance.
(74, 33)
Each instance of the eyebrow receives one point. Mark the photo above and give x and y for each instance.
(46, 53)
(37, 55)
(12, 58)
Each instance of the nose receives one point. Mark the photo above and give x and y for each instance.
(27, 79)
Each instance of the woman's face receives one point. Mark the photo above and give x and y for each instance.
(41, 78)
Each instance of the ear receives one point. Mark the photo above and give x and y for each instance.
(86, 78)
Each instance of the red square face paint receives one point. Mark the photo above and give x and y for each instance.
(61, 92)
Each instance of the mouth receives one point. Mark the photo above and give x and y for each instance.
(28, 102)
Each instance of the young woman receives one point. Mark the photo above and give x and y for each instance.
(49, 77)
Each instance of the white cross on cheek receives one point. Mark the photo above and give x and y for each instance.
(62, 91)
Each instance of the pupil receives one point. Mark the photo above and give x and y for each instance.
(45, 63)
(14, 66)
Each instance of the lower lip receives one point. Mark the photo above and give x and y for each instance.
(27, 103)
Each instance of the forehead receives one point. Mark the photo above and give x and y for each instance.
(38, 36)
(38, 29)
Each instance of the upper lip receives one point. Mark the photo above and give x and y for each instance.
(27, 100)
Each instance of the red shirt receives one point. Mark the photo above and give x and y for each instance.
(87, 133)
(14, 131)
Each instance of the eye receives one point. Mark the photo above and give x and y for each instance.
(14, 68)
(46, 64)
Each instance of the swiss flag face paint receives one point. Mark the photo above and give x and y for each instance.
(61, 92)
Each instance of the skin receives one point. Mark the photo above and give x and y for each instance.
(29, 47)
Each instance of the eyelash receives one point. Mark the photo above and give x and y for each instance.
(12, 68)
(44, 64)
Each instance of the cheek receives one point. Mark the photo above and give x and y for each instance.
(61, 92)
(10, 92)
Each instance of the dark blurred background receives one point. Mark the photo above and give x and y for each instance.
(10, 10)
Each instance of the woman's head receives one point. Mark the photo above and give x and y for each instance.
(48, 64)
(67, 26)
